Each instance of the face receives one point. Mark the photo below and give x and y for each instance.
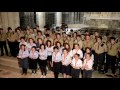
(98, 40)
(75, 34)
(27, 32)
(55, 50)
(78, 32)
(22, 40)
(58, 36)
(58, 44)
(10, 30)
(39, 33)
(87, 37)
(96, 33)
(76, 57)
(33, 49)
(23, 47)
(65, 52)
(31, 41)
(87, 56)
(112, 41)
(87, 50)
(42, 47)
(67, 46)
(49, 43)
(78, 38)
(18, 31)
(40, 41)
(76, 47)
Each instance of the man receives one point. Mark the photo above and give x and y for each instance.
(99, 57)
(112, 52)
(3, 38)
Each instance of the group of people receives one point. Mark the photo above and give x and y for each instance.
(74, 54)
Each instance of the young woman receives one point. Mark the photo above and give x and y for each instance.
(23, 58)
(22, 41)
(30, 44)
(67, 46)
(49, 51)
(77, 50)
(58, 44)
(39, 42)
(33, 55)
(56, 61)
(88, 50)
(66, 60)
(87, 66)
(76, 66)
(43, 60)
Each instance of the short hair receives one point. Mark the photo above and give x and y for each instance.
(22, 38)
(112, 38)
(34, 47)
(77, 54)
(47, 35)
(55, 47)
(65, 49)
(43, 45)
(100, 37)
(89, 54)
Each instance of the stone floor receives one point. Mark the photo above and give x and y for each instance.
(6, 72)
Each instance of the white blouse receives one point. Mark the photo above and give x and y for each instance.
(87, 65)
(25, 43)
(76, 64)
(33, 55)
(92, 57)
(66, 60)
(23, 54)
(49, 50)
(56, 57)
(43, 54)
(29, 46)
(72, 52)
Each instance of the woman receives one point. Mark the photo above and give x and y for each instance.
(87, 66)
(76, 66)
(77, 50)
(66, 60)
(30, 44)
(88, 50)
(43, 60)
(56, 61)
(23, 58)
(33, 55)
(49, 51)
(39, 42)
(58, 44)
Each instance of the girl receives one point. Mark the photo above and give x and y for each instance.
(33, 59)
(87, 66)
(23, 58)
(49, 51)
(43, 60)
(66, 60)
(56, 61)
(76, 65)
